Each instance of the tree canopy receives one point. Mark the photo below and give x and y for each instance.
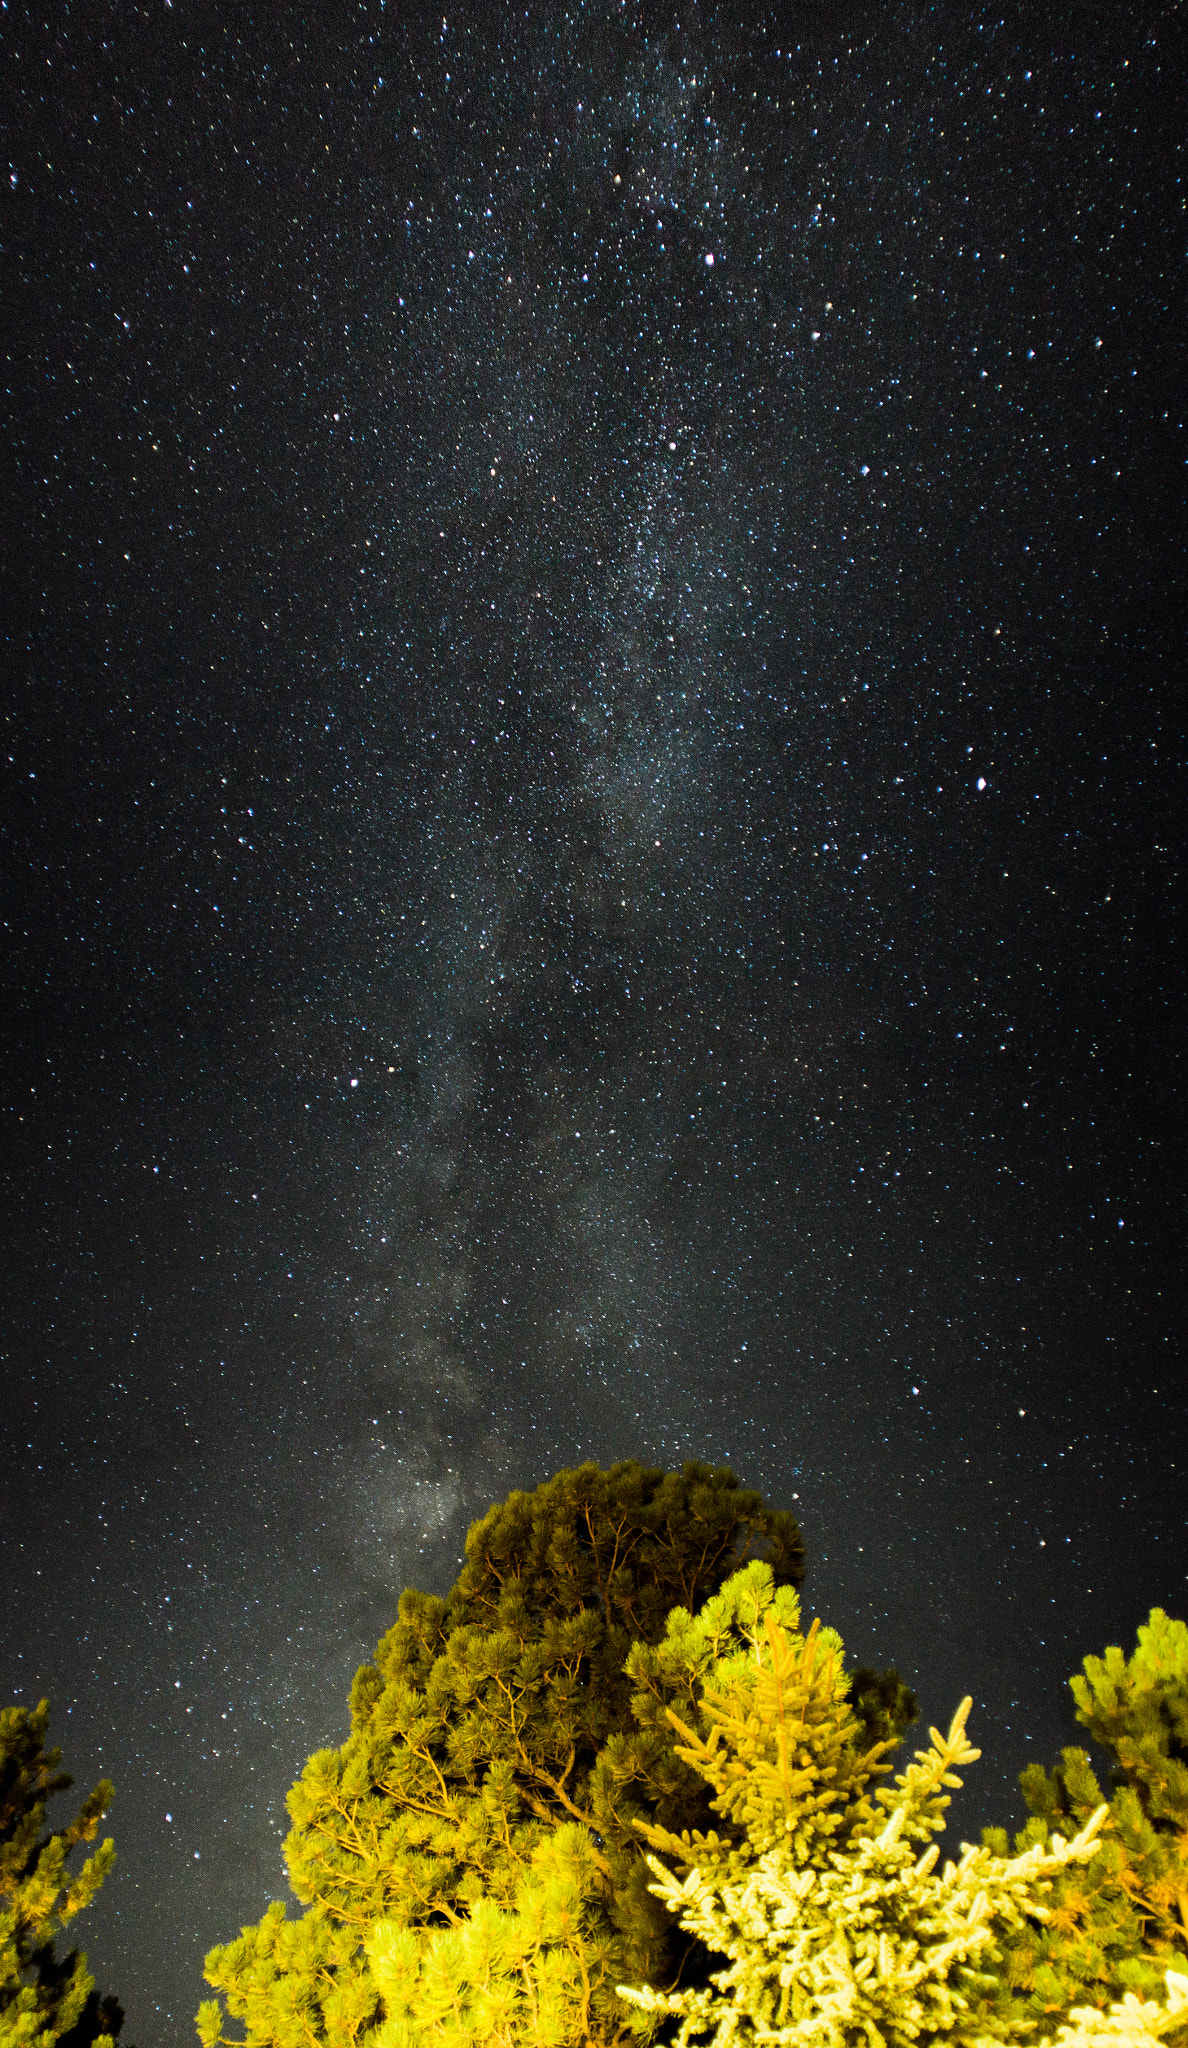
(493, 1753)
(1120, 1923)
(540, 1971)
(45, 1998)
(833, 1929)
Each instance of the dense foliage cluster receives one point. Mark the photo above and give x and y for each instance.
(1117, 1925)
(493, 1753)
(833, 1925)
(540, 1971)
(834, 1931)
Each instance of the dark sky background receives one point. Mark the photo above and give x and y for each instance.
(592, 847)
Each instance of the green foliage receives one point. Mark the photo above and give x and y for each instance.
(835, 1928)
(291, 1982)
(44, 1998)
(1118, 1925)
(734, 1669)
(483, 1804)
(536, 1974)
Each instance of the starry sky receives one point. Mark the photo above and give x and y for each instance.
(591, 847)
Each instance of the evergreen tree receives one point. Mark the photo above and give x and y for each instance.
(539, 1974)
(850, 1723)
(834, 1927)
(1119, 1924)
(45, 1998)
(484, 1800)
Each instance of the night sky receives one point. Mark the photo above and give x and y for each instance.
(591, 848)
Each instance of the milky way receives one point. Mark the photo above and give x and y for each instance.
(591, 861)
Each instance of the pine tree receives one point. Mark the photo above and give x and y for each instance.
(835, 1926)
(1119, 1924)
(539, 1974)
(45, 1998)
(681, 1683)
(494, 1765)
